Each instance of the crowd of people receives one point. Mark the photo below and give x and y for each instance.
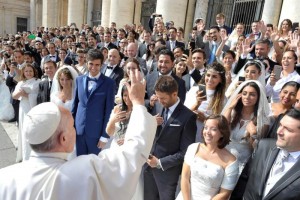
(226, 105)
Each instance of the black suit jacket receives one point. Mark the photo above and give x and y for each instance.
(117, 75)
(195, 75)
(256, 173)
(172, 139)
(151, 80)
(11, 83)
(44, 92)
(109, 46)
(177, 44)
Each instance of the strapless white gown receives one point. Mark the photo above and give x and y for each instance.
(206, 177)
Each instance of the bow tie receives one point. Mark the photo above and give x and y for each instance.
(92, 79)
(109, 67)
(52, 56)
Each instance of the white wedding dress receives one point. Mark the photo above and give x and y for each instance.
(31, 87)
(238, 146)
(208, 178)
(55, 99)
(6, 109)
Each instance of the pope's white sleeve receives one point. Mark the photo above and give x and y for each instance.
(119, 168)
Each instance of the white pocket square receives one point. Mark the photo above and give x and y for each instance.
(174, 125)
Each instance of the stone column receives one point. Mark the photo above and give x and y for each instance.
(89, 12)
(137, 11)
(271, 11)
(76, 12)
(189, 22)
(33, 14)
(122, 12)
(50, 13)
(201, 9)
(39, 13)
(172, 10)
(290, 10)
(105, 13)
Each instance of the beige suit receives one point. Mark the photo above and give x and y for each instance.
(113, 174)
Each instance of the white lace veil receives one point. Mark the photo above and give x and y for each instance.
(55, 84)
(261, 78)
(263, 105)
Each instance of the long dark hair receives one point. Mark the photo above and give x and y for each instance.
(124, 107)
(239, 106)
(216, 104)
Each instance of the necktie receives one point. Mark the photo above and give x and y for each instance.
(165, 116)
(91, 79)
(50, 84)
(278, 167)
(212, 54)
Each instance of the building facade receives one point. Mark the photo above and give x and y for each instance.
(19, 15)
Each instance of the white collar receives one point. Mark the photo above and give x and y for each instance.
(59, 155)
(169, 74)
(97, 76)
(173, 107)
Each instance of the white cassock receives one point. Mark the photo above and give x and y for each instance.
(113, 174)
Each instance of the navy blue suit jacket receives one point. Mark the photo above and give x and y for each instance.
(91, 112)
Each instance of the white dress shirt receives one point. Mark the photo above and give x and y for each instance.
(92, 84)
(109, 71)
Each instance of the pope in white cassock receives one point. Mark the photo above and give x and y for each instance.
(48, 175)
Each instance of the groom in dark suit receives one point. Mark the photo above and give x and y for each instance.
(93, 103)
(46, 83)
(274, 172)
(175, 132)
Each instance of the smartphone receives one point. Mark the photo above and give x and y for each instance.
(203, 89)
(295, 26)
(122, 107)
(192, 44)
(242, 78)
(277, 71)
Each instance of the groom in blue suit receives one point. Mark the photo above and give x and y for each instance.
(93, 103)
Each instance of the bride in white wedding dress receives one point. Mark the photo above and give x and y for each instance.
(62, 90)
(63, 86)
(209, 170)
(6, 109)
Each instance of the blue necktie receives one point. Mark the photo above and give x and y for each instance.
(165, 116)
(212, 55)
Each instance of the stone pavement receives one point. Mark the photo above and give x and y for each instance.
(8, 143)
